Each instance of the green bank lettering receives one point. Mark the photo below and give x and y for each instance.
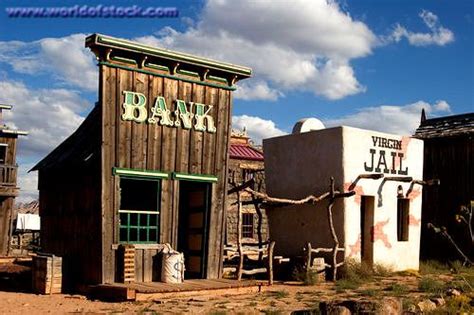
(134, 107)
(183, 113)
(187, 115)
(202, 115)
(160, 110)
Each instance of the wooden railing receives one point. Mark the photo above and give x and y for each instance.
(8, 175)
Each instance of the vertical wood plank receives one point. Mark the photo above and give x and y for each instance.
(124, 83)
(182, 140)
(139, 265)
(155, 89)
(148, 256)
(209, 139)
(195, 145)
(168, 155)
(215, 253)
(139, 136)
(107, 89)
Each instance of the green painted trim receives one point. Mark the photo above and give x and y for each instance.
(122, 59)
(158, 67)
(14, 132)
(165, 53)
(139, 173)
(190, 73)
(219, 86)
(138, 211)
(212, 77)
(195, 177)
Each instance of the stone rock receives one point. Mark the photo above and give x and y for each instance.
(386, 306)
(453, 292)
(391, 306)
(411, 309)
(426, 306)
(338, 310)
(439, 301)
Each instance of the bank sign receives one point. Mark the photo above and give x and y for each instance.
(188, 115)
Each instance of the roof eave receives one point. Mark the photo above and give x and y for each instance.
(96, 41)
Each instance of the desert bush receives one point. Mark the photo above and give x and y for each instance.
(398, 289)
(431, 285)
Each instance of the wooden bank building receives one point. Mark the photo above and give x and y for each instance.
(148, 166)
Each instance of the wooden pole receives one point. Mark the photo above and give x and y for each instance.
(270, 262)
(333, 230)
(308, 257)
(239, 237)
(259, 226)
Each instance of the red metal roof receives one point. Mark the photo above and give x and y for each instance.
(244, 152)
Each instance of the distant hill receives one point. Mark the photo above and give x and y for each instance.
(26, 207)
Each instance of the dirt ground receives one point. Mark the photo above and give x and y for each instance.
(281, 298)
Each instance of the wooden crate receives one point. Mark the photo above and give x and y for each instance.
(126, 263)
(47, 274)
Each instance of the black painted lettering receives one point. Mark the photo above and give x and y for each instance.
(400, 171)
(371, 167)
(381, 162)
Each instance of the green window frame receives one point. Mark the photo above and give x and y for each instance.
(140, 225)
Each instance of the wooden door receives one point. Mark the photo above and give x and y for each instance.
(367, 207)
(194, 205)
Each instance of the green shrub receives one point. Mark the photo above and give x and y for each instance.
(398, 289)
(430, 285)
(430, 267)
(347, 284)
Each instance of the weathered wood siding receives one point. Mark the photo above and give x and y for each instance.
(133, 145)
(8, 179)
(11, 141)
(6, 205)
(70, 221)
(70, 206)
(449, 160)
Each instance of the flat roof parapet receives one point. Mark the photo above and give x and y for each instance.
(110, 49)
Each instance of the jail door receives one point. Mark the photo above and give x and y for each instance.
(367, 207)
(194, 205)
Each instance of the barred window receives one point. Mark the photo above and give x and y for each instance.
(247, 225)
(139, 210)
(403, 213)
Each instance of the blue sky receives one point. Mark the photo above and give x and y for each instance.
(370, 64)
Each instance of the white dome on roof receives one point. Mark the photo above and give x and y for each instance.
(308, 124)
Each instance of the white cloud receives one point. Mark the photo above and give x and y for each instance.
(306, 45)
(65, 58)
(28, 183)
(402, 120)
(49, 115)
(258, 90)
(438, 34)
(257, 128)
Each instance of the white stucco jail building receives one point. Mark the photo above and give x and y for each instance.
(380, 224)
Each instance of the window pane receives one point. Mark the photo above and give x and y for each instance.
(124, 219)
(143, 235)
(153, 235)
(133, 219)
(138, 194)
(133, 235)
(144, 219)
(153, 220)
(247, 225)
(123, 234)
(403, 211)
